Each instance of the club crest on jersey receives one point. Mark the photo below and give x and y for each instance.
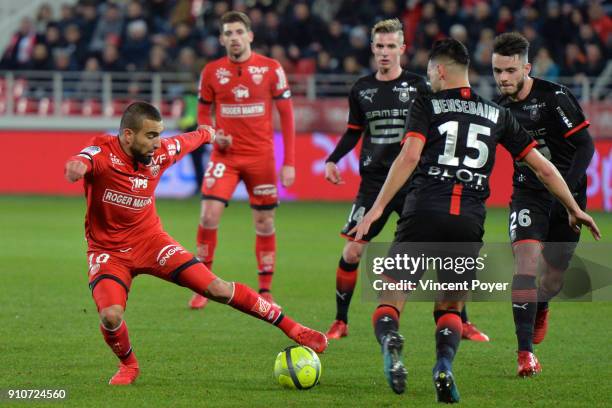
(154, 170)
(223, 75)
(240, 92)
(368, 94)
(404, 91)
(139, 183)
(257, 73)
(534, 109)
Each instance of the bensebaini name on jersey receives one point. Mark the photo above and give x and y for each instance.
(470, 107)
(129, 201)
(243, 110)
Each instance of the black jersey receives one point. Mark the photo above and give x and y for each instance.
(461, 131)
(379, 109)
(551, 115)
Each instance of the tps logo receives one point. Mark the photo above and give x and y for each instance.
(167, 252)
(139, 183)
(240, 92)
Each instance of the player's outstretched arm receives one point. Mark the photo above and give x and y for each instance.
(402, 168)
(548, 174)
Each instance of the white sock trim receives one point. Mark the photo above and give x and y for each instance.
(233, 292)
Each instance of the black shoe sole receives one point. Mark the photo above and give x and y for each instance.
(446, 390)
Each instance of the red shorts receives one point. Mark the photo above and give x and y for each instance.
(111, 272)
(224, 172)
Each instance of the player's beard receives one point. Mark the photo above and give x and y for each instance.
(519, 87)
(141, 158)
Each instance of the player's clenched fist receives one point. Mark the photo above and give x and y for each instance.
(75, 170)
(223, 141)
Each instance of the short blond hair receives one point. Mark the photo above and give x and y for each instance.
(391, 25)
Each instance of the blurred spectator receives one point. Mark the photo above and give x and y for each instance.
(451, 16)
(158, 60)
(62, 60)
(481, 20)
(359, 41)
(90, 83)
(135, 49)
(52, 38)
(303, 29)
(575, 60)
(544, 66)
(351, 66)
(44, 17)
(484, 52)
(418, 62)
(184, 37)
(505, 20)
(19, 51)
(67, 16)
(271, 33)
(336, 41)
(326, 64)
(111, 60)
(459, 33)
(535, 42)
(87, 19)
(594, 60)
(41, 61)
(109, 27)
(601, 23)
(75, 46)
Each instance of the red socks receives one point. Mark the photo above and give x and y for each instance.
(248, 301)
(206, 244)
(265, 252)
(118, 340)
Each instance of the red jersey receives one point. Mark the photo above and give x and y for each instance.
(242, 94)
(120, 191)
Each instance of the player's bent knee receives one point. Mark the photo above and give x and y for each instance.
(111, 317)
(352, 252)
(219, 290)
(264, 222)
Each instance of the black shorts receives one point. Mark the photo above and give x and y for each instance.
(538, 216)
(363, 202)
(442, 236)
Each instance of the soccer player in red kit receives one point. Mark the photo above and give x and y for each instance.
(242, 88)
(125, 236)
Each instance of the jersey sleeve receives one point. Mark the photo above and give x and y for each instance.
(280, 86)
(90, 155)
(417, 121)
(567, 112)
(514, 138)
(206, 93)
(179, 146)
(356, 119)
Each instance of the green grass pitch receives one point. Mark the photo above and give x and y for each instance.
(49, 334)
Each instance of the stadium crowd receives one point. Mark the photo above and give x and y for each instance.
(570, 39)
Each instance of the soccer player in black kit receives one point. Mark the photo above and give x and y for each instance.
(449, 144)
(538, 223)
(378, 106)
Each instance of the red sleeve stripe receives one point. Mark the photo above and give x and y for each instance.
(455, 204)
(577, 128)
(357, 127)
(526, 150)
(414, 134)
(527, 241)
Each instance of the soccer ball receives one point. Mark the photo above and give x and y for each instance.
(297, 367)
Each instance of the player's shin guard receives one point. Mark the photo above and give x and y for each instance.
(206, 244)
(265, 252)
(524, 306)
(448, 336)
(346, 277)
(119, 341)
(385, 320)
